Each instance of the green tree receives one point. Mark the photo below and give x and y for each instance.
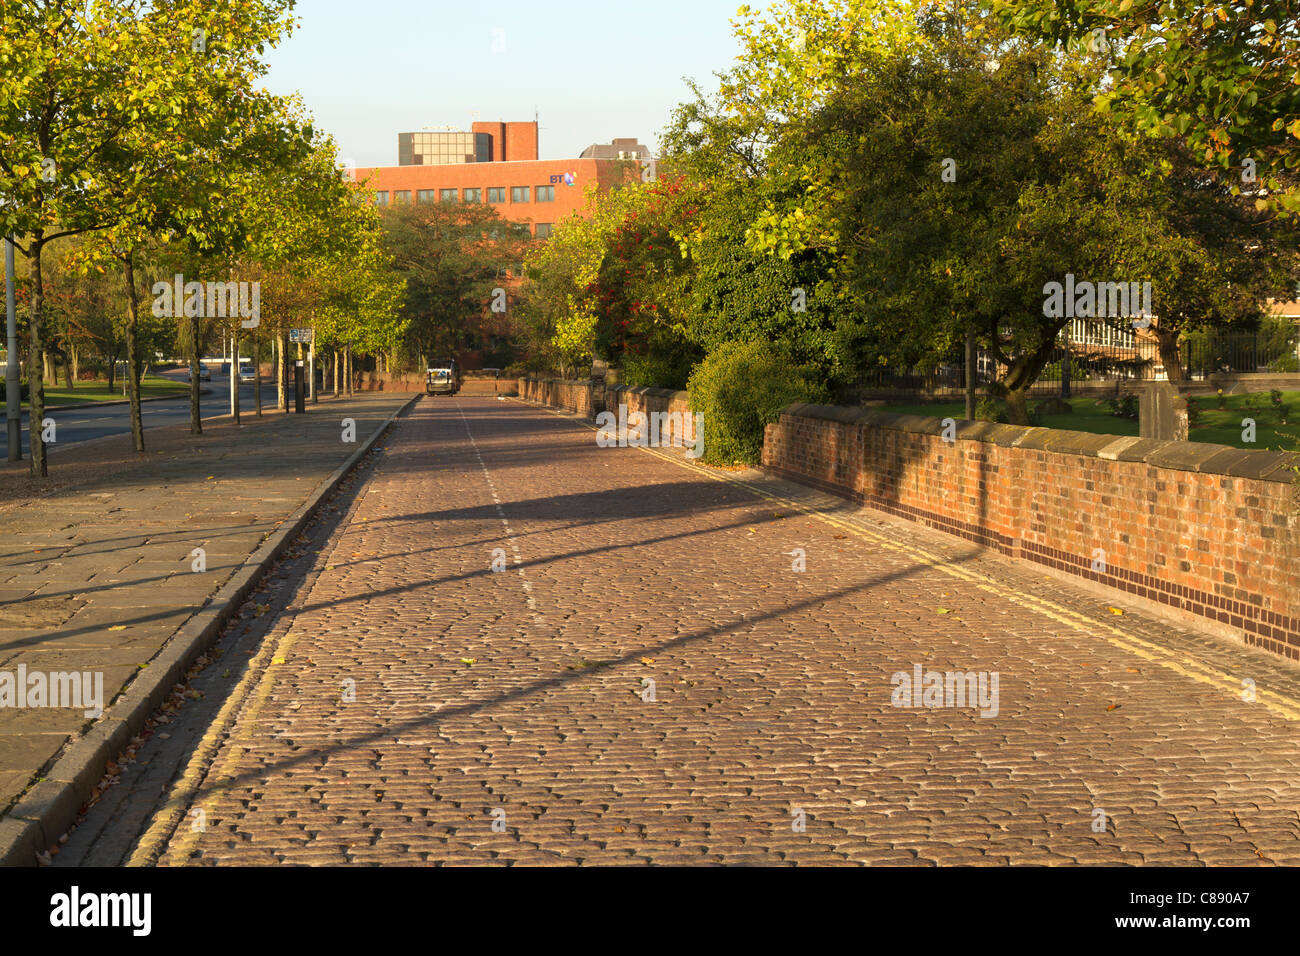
(98, 104)
(460, 263)
(1224, 77)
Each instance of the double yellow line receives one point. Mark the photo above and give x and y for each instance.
(1178, 662)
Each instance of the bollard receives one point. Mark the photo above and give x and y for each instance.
(299, 387)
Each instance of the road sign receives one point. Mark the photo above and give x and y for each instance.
(300, 335)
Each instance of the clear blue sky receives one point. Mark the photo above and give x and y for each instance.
(592, 69)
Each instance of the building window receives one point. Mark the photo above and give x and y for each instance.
(424, 195)
(519, 194)
(496, 194)
(448, 195)
(473, 195)
(546, 194)
(543, 230)
(401, 196)
(381, 197)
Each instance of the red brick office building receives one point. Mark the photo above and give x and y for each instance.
(494, 163)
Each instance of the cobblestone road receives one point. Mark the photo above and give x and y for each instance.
(414, 706)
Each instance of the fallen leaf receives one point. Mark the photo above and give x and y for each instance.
(647, 660)
(943, 610)
(277, 660)
(118, 627)
(469, 660)
(1114, 610)
(1112, 707)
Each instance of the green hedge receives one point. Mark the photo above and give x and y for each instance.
(740, 387)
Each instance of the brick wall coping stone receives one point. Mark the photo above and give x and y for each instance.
(652, 391)
(1199, 457)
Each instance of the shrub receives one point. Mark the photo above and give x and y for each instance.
(1193, 411)
(739, 388)
(1124, 404)
(1275, 397)
(988, 410)
(1223, 401)
(656, 371)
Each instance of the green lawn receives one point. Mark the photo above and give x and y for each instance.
(1217, 426)
(152, 386)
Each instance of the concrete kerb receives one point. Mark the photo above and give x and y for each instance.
(47, 810)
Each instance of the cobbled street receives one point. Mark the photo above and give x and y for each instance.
(647, 678)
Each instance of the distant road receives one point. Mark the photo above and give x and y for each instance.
(82, 424)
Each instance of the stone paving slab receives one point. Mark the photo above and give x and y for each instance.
(97, 577)
(410, 692)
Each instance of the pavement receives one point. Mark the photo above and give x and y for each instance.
(99, 576)
(674, 664)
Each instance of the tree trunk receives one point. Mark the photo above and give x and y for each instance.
(1017, 408)
(132, 366)
(76, 365)
(1020, 375)
(196, 415)
(36, 363)
(279, 368)
(1167, 346)
(111, 361)
(336, 373)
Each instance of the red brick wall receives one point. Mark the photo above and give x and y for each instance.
(1205, 530)
(647, 400)
(577, 397)
(587, 398)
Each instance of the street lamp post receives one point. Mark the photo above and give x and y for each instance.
(13, 394)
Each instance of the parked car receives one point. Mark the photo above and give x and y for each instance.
(246, 374)
(205, 374)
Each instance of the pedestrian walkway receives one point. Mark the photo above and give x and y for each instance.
(676, 665)
(95, 578)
